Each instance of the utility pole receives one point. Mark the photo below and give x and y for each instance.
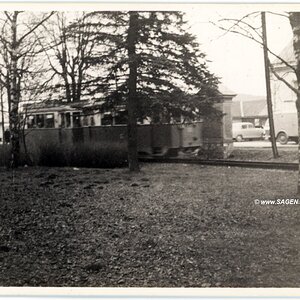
(268, 86)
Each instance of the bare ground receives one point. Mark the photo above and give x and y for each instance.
(262, 154)
(169, 226)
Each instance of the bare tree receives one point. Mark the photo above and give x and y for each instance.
(68, 50)
(19, 50)
(248, 27)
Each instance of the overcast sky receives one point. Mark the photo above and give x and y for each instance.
(237, 60)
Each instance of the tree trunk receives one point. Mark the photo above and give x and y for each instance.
(268, 86)
(65, 76)
(132, 99)
(298, 113)
(14, 114)
(2, 113)
(295, 23)
(8, 94)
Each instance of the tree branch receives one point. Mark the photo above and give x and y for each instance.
(259, 42)
(35, 27)
(295, 90)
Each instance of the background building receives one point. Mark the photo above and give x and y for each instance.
(249, 108)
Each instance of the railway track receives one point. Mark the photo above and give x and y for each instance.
(228, 163)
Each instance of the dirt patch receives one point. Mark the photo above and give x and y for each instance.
(169, 226)
(262, 154)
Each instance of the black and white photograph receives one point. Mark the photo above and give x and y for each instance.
(150, 145)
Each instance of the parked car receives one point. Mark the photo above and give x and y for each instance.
(246, 130)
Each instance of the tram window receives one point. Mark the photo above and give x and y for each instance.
(121, 118)
(40, 121)
(76, 119)
(107, 120)
(177, 117)
(68, 119)
(62, 120)
(85, 121)
(49, 121)
(31, 122)
(92, 121)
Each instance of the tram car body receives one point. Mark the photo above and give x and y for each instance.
(161, 140)
(70, 125)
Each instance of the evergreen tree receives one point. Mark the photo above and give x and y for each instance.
(172, 74)
(153, 66)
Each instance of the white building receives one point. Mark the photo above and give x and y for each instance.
(283, 98)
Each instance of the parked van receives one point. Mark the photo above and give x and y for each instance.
(286, 127)
(246, 130)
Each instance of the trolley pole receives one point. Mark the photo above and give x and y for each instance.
(268, 86)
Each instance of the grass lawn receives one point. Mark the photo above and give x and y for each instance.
(168, 226)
